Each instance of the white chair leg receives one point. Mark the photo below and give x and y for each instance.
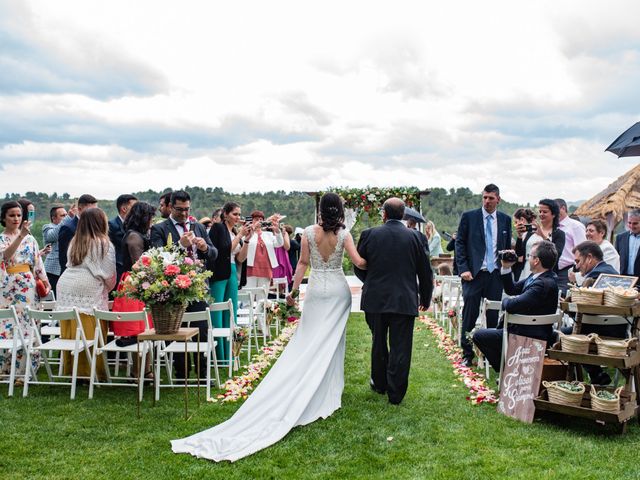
(74, 376)
(25, 389)
(215, 363)
(208, 375)
(93, 372)
(12, 373)
(157, 381)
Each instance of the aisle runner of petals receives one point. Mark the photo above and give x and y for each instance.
(475, 382)
(238, 387)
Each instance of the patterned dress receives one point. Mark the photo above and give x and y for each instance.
(19, 290)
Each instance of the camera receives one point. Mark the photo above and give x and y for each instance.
(248, 219)
(507, 255)
(265, 224)
(530, 228)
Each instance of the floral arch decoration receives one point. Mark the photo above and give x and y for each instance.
(359, 200)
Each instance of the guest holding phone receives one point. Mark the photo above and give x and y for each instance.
(527, 237)
(20, 266)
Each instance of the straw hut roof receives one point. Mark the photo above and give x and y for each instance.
(615, 200)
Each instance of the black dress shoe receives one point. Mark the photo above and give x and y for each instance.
(376, 389)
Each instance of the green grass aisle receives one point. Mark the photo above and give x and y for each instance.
(435, 433)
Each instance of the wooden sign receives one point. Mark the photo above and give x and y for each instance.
(610, 280)
(521, 377)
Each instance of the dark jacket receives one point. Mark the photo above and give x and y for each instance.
(540, 297)
(160, 233)
(622, 246)
(601, 268)
(65, 235)
(219, 236)
(116, 234)
(470, 245)
(395, 255)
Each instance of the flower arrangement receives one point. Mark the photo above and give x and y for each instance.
(281, 312)
(166, 276)
(479, 392)
(373, 197)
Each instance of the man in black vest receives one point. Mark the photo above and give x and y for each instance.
(192, 237)
(395, 258)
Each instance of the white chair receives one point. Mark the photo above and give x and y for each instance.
(205, 346)
(281, 295)
(606, 320)
(13, 344)
(452, 300)
(514, 319)
(75, 346)
(102, 346)
(259, 297)
(485, 306)
(246, 318)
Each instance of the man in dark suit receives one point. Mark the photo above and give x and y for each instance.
(395, 257)
(481, 234)
(116, 230)
(628, 246)
(590, 263)
(535, 295)
(193, 238)
(69, 225)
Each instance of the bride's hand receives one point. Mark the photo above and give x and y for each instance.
(290, 300)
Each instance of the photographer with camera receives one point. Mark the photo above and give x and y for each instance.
(536, 295)
(527, 238)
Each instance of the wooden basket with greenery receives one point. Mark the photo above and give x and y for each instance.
(605, 401)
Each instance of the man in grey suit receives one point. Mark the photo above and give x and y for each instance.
(628, 244)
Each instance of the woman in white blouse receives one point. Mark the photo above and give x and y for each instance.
(87, 281)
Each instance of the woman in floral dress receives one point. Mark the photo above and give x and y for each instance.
(21, 264)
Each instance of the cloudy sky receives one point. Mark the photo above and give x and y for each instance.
(114, 96)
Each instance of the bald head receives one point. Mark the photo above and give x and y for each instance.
(393, 209)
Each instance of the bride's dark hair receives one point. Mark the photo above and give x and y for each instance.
(331, 213)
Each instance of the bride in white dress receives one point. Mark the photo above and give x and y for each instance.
(306, 382)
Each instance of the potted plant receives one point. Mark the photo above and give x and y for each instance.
(167, 280)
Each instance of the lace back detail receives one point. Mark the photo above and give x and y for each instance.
(334, 262)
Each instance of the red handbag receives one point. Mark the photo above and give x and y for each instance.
(41, 288)
(126, 304)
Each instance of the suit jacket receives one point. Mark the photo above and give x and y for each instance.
(116, 234)
(395, 256)
(50, 235)
(160, 233)
(65, 234)
(602, 267)
(622, 246)
(470, 244)
(219, 236)
(540, 297)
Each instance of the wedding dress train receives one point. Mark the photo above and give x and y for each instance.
(305, 383)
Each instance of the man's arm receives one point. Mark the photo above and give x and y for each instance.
(64, 238)
(425, 276)
(523, 304)
(362, 251)
(50, 232)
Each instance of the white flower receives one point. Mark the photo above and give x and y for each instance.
(371, 197)
(168, 258)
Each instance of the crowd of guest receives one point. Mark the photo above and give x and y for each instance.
(87, 255)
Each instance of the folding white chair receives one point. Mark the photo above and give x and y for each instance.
(75, 346)
(259, 297)
(13, 344)
(102, 346)
(246, 318)
(206, 347)
(452, 300)
(513, 319)
(485, 306)
(281, 295)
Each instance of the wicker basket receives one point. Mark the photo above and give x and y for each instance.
(614, 299)
(563, 396)
(591, 296)
(167, 317)
(576, 343)
(615, 348)
(611, 406)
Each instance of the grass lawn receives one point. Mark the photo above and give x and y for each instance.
(436, 434)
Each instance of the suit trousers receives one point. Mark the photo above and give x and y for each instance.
(178, 358)
(391, 352)
(484, 285)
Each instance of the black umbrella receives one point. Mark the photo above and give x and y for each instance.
(627, 144)
(411, 214)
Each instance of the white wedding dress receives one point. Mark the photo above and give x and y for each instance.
(305, 383)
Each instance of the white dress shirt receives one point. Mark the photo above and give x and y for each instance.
(574, 232)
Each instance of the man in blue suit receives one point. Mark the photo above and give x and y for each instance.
(628, 245)
(116, 230)
(481, 234)
(69, 225)
(535, 295)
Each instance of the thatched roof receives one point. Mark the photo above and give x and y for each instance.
(618, 198)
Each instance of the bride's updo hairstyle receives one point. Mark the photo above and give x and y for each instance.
(331, 213)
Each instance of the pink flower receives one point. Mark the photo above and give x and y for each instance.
(188, 261)
(164, 283)
(146, 261)
(145, 285)
(183, 281)
(171, 270)
(192, 273)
